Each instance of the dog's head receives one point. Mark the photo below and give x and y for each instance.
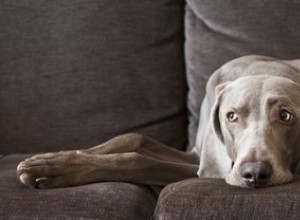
(257, 118)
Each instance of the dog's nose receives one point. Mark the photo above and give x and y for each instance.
(256, 174)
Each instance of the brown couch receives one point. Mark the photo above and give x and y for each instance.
(74, 73)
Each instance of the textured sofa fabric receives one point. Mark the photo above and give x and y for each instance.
(113, 201)
(218, 31)
(74, 73)
(214, 200)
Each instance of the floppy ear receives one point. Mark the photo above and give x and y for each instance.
(297, 168)
(220, 89)
(296, 163)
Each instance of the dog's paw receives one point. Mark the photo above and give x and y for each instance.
(49, 170)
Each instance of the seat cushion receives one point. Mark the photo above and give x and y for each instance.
(218, 31)
(74, 73)
(215, 200)
(93, 201)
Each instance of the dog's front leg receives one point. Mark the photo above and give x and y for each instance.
(59, 169)
(129, 158)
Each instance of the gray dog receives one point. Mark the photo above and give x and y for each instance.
(248, 134)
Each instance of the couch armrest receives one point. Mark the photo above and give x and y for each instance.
(214, 199)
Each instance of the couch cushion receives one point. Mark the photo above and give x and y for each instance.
(215, 200)
(218, 31)
(94, 201)
(74, 73)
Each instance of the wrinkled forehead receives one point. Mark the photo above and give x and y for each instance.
(253, 89)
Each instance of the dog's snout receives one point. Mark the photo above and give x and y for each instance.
(256, 174)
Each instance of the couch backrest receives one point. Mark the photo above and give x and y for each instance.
(74, 73)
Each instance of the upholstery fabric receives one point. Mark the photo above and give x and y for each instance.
(113, 201)
(215, 200)
(74, 73)
(218, 31)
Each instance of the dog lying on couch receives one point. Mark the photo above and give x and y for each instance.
(248, 134)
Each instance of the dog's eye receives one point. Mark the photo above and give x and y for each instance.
(285, 116)
(232, 116)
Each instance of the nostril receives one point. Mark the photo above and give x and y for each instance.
(248, 176)
(262, 176)
(247, 170)
(264, 171)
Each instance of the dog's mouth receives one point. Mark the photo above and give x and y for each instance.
(249, 183)
(257, 175)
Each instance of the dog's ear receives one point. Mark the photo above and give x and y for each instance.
(297, 168)
(219, 91)
(296, 163)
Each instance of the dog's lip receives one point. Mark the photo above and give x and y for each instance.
(233, 178)
(249, 185)
(253, 184)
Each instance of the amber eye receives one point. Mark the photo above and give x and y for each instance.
(232, 116)
(285, 116)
